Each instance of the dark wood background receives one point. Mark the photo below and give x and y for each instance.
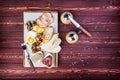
(90, 58)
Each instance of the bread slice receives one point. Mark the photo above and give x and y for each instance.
(53, 45)
(56, 43)
(47, 34)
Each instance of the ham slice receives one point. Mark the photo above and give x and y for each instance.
(45, 20)
(40, 23)
(47, 61)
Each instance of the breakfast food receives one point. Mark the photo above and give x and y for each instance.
(37, 56)
(42, 39)
(53, 45)
(30, 37)
(38, 29)
(47, 18)
(44, 20)
(30, 25)
(35, 47)
(47, 60)
(47, 34)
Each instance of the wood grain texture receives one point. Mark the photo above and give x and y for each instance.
(90, 58)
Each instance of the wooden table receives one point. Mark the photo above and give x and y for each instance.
(90, 58)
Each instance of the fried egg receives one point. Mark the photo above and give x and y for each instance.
(38, 29)
(31, 37)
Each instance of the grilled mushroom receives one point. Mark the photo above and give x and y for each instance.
(30, 25)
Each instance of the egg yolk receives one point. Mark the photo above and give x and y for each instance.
(30, 40)
(38, 29)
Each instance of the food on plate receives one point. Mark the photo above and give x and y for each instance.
(43, 42)
(38, 29)
(47, 34)
(31, 37)
(46, 41)
(53, 45)
(47, 60)
(39, 38)
(37, 56)
(55, 50)
(44, 20)
(35, 47)
(30, 25)
(40, 23)
(56, 43)
(30, 40)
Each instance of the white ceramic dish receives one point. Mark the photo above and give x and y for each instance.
(49, 54)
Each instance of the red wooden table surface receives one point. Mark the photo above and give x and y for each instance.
(90, 58)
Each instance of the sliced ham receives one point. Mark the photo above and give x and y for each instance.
(45, 20)
(40, 23)
(47, 61)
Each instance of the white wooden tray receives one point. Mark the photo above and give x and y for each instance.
(29, 16)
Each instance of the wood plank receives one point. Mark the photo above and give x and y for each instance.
(81, 38)
(72, 65)
(62, 27)
(17, 51)
(95, 34)
(112, 44)
(63, 70)
(14, 27)
(64, 56)
(52, 3)
(82, 50)
(80, 19)
(88, 23)
(71, 61)
(94, 12)
(109, 8)
(92, 27)
(103, 12)
(61, 74)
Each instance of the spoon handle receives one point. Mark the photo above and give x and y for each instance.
(79, 26)
(30, 62)
(85, 31)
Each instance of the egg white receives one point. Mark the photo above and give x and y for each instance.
(31, 34)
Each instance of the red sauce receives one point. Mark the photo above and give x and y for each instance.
(47, 61)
